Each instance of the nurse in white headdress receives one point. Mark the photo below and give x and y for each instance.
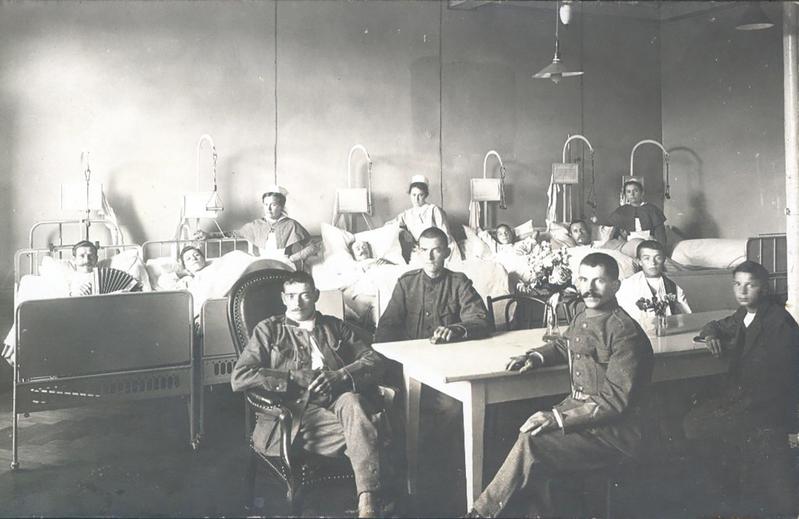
(422, 214)
(276, 235)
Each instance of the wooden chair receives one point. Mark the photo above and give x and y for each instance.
(253, 298)
(530, 311)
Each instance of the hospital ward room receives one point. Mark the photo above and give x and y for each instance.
(399, 258)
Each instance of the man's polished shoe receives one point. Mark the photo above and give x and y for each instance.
(472, 514)
(368, 505)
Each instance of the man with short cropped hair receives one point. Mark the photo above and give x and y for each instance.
(329, 378)
(750, 416)
(651, 282)
(610, 362)
(433, 302)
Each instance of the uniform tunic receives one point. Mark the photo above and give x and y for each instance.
(278, 359)
(420, 304)
(611, 362)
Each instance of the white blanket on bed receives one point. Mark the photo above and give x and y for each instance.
(216, 279)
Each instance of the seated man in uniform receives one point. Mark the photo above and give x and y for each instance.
(329, 375)
(649, 283)
(750, 415)
(611, 364)
(433, 302)
(437, 304)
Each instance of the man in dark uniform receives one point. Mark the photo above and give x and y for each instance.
(611, 362)
(437, 304)
(433, 302)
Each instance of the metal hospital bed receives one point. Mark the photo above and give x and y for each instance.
(214, 349)
(77, 351)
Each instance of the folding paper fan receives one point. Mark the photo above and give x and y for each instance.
(108, 280)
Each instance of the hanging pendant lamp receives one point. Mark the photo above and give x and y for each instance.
(754, 19)
(556, 70)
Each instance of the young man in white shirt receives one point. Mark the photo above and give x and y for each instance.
(649, 283)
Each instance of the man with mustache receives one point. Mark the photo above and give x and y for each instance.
(611, 362)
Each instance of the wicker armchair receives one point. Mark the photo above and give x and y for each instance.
(253, 298)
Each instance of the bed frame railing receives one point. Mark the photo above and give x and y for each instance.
(212, 247)
(771, 251)
(83, 225)
(28, 261)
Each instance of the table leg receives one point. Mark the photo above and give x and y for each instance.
(413, 390)
(473, 430)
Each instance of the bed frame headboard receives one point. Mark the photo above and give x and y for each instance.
(28, 261)
(212, 247)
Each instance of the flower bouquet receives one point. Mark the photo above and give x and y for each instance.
(547, 271)
(658, 306)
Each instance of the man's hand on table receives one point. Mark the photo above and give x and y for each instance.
(444, 334)
(542, 421)
(714, 345)
(523, 363)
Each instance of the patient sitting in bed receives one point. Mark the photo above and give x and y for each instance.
(84, 255)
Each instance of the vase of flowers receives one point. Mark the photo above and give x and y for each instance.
(547, 271)
(658, 306)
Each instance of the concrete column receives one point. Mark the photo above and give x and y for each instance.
(791, 91)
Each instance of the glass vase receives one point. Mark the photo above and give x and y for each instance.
(661, 324)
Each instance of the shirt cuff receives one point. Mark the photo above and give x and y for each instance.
(352, 380)
(558, 418)
(462, 327)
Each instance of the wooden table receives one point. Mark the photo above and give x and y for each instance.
(474, 373)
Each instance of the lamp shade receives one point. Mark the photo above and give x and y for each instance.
(555, 71)
(754, 19)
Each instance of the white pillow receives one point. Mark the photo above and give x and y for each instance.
(473, 246)
(710, 253)
(157, 267)
(525, 230)
(57, 272)
(129, 261)
(384, 242)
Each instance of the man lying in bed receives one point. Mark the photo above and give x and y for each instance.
(362, 254)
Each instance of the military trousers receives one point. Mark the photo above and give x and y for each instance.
(521, 481)
(351, 425)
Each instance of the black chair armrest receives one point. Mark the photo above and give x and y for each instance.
(263, 400)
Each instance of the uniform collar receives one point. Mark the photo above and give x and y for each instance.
(291, 322)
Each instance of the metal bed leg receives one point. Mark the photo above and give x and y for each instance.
(14, 423)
